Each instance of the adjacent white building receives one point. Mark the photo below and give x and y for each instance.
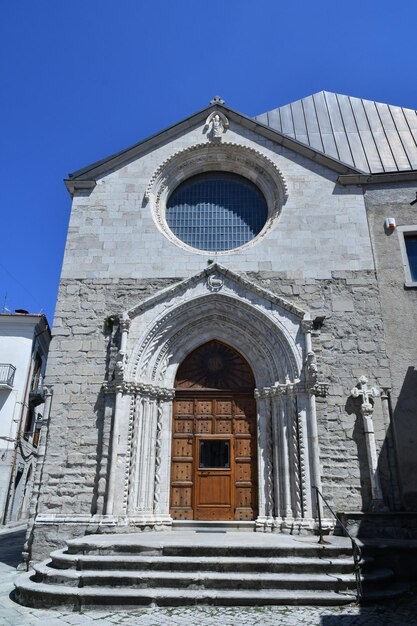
(24, 343)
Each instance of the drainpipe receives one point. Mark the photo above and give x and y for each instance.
(16, 444)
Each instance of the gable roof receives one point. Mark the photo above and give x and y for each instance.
(363, 141)
(370, 136)
(85, 178)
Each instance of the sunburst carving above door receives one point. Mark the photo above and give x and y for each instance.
(215, 366)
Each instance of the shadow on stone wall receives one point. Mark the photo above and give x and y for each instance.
(11, 546)
(352, 407)
(387, 466)
(341, 620)
(405, 427)
(99, 411)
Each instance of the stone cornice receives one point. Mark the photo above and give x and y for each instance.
(375, 179)
(144, 389)
(292, 389)
(74, 186)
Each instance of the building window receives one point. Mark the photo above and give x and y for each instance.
(30, 419)
(408, 242)
(411, 247)
(216, 211)
(36, 436)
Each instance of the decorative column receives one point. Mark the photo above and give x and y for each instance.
(269, 471)
(118, 376)
(312, 388)
(162, 492)
(284, 458)
(260, 395)
(284, 466)
(276, 456)
(148, 472)
(367, 410)
(301, 417)
(111, 484)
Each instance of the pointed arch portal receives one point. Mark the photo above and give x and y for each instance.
(214, 448)
(214, 411)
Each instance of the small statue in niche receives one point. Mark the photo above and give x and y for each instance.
(119, 367)
(216, 125)
(312, 367)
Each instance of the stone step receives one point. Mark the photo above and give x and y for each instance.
(41, 595)
(207, 580)
(204, 550)
(62, 560)
(190, 568)
(204, 580)
(191, 543)
(213, 527)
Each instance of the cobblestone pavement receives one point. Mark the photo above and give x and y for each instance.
(403, 612)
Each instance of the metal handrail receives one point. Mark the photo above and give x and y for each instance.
(356, 551)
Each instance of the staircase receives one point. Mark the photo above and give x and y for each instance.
(198, 567)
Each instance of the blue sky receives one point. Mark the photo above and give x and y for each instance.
(82, 79)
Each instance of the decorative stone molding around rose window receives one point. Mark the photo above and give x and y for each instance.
(224, 157)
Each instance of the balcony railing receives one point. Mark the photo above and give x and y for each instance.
(7, 372)
(36, 393)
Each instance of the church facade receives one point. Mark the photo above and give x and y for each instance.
(219, 348)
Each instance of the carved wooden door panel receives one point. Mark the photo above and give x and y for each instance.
(214, 468)
(182, 463)
(245, 458)
(214, 479)
(214, 448)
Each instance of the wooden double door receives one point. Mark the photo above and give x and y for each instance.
(214, 454)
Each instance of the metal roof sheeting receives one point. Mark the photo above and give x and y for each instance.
(370, 136)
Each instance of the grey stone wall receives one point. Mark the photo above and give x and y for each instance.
(349, 344)
(113, 232)
(82, 353)
(399, 312)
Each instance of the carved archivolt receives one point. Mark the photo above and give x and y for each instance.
(214, 156)
(263, 341)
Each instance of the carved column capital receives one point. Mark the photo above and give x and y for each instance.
(385, 393)
(48, 391)
(320, 389)
(153, 392)
(306, 325)
(125, 324)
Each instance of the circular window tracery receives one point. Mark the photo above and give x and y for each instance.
(214, 157)
(216, 211)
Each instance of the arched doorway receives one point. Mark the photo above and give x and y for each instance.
(214, 444)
